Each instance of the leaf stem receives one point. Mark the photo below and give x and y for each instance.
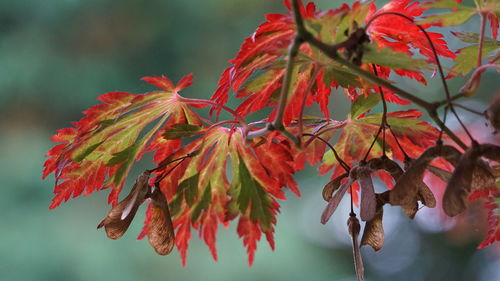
(472, 85)
(469, 109)
(337, 157)
(235, 114)
(438, 63)
(383, 123)
(157, 181)
(373, 142)
(303, 104)
(399, 144)
(481, 39)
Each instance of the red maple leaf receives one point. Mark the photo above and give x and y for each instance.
(201, 195)
(99, 151)
(400, 34)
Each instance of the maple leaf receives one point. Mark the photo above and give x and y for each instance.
(459, 14)
(466, 59)
(101, 148)
(358, 130)
(257, 70)
(401, 35)
(201, 194)
(493, 207)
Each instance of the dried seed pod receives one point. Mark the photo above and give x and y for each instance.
(425, 195)
(459, 186)
(440, 173)
(161, 234)
(495, 170)
(410, 188)
(386, 164)
(368, 202)
(332, 186)
(354, 228)
(470, 173)
(335, 200)
(375, 164)
(491, 151)
(493, 112)
(392, 168)
(120, 216)
(482, 177)
(373, 233)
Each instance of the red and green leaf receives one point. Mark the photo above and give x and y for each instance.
(99, 152)
(493, 207)
(257, 71)
(200, 188)
(356, 136)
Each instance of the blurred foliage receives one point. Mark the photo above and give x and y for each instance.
(57, 56)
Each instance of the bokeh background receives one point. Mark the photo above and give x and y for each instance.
(57, 56)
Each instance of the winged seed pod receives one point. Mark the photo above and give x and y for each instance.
(490, 151)
(361, 173)
(332, 186)
(440, 173)
(120, 216)
(410, 188)
(335, 200)
(368, 203)
(354, 228)
(493, 113)
(459, 186)
(387, 165)
(373, 234)
(160, 231)
(483, 176)
(423, 192)
(354, 174)
(470, 173)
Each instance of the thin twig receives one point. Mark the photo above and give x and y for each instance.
(235, 114)
(438, 63)
(469, 109)
(472, 85)
(157, 181)
(445, 114)
(397, 142)
(384, 122)
(373, 143)
(337, 157)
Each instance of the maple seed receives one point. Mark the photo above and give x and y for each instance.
(368, 202)
(335, 200)
(332, 186)
(493, 113)
(470, 173)
(120, 216)
(354, 228)
(160, 232)
(410, 188)
(373, 233)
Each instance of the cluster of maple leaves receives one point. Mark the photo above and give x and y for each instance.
(211, 172)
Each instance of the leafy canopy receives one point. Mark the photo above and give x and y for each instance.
(213, 172)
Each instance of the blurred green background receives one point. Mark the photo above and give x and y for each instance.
(57, 56)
